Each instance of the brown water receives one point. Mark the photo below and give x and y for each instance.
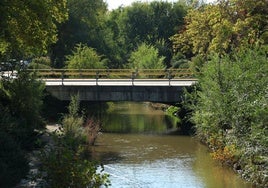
(135, 159)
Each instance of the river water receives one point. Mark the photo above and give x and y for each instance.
(137, 152)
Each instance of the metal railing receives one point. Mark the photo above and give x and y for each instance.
(112, 73)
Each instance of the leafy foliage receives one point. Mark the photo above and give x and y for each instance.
(231, 106)
(21, 102)
(20, 108)
(84, 58)
(116, 33)
(40, 63)
(85, 25)
(66, 163)
(146, 57)
(223, 26)
(13, 163)
(29, 27)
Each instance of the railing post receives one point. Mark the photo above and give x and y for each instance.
(133, 77)
(62, 77)
(169, 76)
(97, 77)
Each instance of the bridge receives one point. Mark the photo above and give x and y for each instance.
(117, 84)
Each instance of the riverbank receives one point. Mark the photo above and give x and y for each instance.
(252, 168)
(34, 162)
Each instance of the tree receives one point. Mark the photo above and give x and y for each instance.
(146, 57)
(29, 27)
(152, 23)
(84, 57)
(21, 100)
(85, 25)
(230, 113)
(223, 26)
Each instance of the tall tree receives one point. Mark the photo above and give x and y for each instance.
(85, 24)
(28, 27)
(222, 26)
(152, 23)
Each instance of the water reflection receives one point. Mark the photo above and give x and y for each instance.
(155, 160)
(136, 118)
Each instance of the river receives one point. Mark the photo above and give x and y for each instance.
(137, 152)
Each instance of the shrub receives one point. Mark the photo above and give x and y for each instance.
(40, 63)
(13, 164)
(65, 164)
(84, 57)
(65, 167)
(146, 57)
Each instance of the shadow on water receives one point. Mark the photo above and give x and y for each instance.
(131, 117)
(137, 152)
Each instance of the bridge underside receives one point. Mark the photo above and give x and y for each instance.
(164, 94)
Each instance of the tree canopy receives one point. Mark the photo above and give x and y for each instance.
(29, 27)
(84, 57)
(223, 26)
(146, 57)
(85, 25)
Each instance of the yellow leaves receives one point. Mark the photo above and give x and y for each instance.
(223, 26)
(226, 154)
(3, 46)
(30, 26)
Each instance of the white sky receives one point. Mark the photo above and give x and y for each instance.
(113, 4)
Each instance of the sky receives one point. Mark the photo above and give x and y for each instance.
(113, 4)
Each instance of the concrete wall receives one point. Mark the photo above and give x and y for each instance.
(165, 94)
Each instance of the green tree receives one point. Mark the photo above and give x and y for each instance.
(146, 57)
(20, 120)
(231, 109)
(84, 57)
(152, 23)
(85, 25)
(21, 100)
(13, 162)
(29, 27)
(223, 26)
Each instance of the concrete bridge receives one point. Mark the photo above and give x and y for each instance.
(153, 86)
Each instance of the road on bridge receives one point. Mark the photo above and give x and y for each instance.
(119, 82)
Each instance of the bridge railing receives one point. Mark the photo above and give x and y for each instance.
(113, 73)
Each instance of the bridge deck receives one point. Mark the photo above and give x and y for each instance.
(120, 82)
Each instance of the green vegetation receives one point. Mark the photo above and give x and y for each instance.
(20, 120)
(116, 34)
(231, 111)
(146, 57)
(13, 163)
(40, 63)
(224, 43)
(66, 162)
(84, 58)
(223, 26)
(227, 44)
(28, 27)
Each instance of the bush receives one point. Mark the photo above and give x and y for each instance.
(146, 57)
(66, 163)
(13, 164)
(84, 57)
(40, 63)
(21, 100)
(232, 105)
(65, 167)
